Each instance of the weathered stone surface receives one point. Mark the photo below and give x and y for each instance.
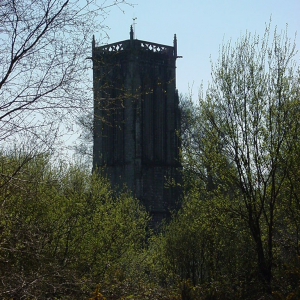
(136, 120)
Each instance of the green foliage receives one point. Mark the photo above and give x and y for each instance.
(205, 248)
(251, 117)
(237, 235)
(62, 230)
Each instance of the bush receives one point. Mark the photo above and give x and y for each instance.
(62, 230)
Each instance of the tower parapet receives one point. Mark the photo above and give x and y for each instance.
(129, 45)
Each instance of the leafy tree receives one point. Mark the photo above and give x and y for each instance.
(250, 127)
(204, 252)
(240, 150)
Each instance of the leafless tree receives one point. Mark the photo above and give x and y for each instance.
(43, 67)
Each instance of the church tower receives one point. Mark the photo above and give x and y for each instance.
(137, 120)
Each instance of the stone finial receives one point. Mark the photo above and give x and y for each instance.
(131, 32)
(93, 42)
(175, 45)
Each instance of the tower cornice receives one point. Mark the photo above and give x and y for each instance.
(137, 45)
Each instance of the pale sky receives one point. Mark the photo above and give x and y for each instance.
(201, 27)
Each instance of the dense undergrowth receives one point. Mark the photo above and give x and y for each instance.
(65, 234)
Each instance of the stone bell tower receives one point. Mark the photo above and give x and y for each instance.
(137, 120)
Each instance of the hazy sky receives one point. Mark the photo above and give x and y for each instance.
(201, 27)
